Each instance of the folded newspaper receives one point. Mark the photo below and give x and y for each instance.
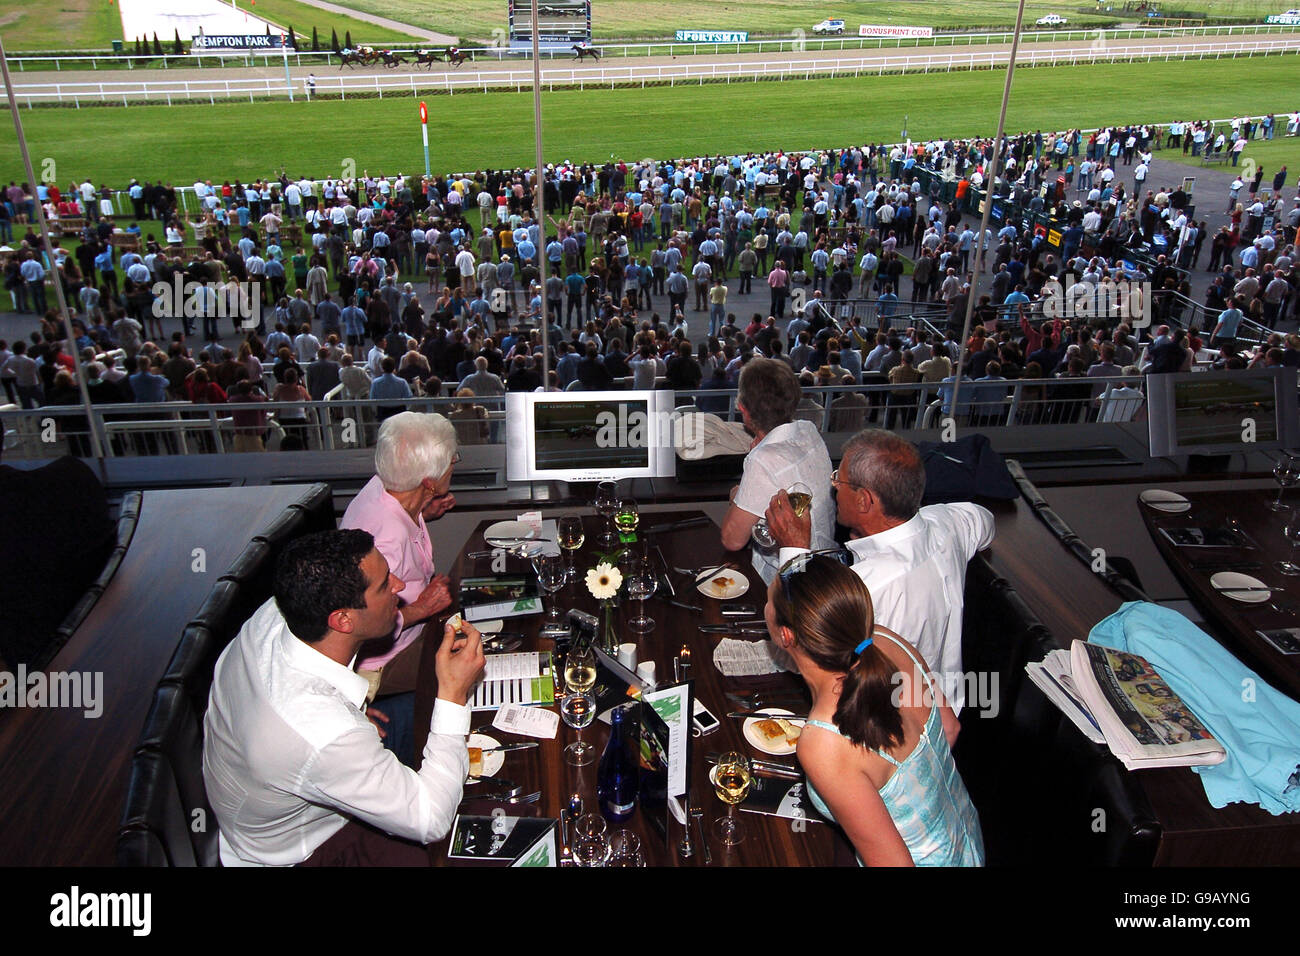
(1118, 699)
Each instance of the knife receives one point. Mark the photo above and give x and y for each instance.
(746, 714)
(667, 578)
(710, 572)
(673, 526)
(504, 748)
(688, 607)
(753, 628)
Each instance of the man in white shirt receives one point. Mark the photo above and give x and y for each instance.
(291, 763)
(912, 559)
(784, 451)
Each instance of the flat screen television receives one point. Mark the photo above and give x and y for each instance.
(589, 436)
(1222, 413)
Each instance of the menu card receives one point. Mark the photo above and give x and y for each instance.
(1222, 537)
(665, 750)
(774, 796)
(500, 838)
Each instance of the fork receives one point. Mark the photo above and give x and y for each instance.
(758, 698)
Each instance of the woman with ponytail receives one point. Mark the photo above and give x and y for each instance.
(876, 744)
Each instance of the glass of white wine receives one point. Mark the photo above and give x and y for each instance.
(627, 517)
(800, 498)
(570, 532)
(730, 777)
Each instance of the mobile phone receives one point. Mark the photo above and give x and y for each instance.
(738, 610)
(703, 720)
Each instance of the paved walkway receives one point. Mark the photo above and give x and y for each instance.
(440, 38)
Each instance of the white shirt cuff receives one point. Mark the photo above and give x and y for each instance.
(449, 718)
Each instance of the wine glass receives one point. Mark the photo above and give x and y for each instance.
(578, 710)
(571, 536)
(641, 584)
(580, 669)
(606, 504)
(730, 778)
(1291, 531)
(627, 517)
(591, 845)
(551, 575)
(800, 498)
(625, 849)
(1286, 472)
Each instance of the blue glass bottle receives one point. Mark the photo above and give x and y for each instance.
(617, 777)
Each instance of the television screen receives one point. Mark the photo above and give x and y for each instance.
(589, 436)
(1222, 413)
(1210, 410)
(586, 434)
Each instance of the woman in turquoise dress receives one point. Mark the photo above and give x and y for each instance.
(876, 746)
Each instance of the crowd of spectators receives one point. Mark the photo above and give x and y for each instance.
(322, 263)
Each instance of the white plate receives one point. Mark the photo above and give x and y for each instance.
(1225, 581)
(490, 627)
(1168, 501)
(491, 762)
(738, 586)
(759, 742)
(508, 534)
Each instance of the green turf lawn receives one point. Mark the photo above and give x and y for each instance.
(475, 19)
(93, 24)
(473, 130)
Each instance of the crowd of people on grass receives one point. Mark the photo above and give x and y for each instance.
(311, 276)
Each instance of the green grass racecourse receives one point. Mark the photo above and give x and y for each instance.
(473, 130)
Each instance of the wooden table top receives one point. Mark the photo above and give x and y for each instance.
(769, 841)
(1070, 600)
(1239, 620)
(63, 776)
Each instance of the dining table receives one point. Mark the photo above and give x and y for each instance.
(679, 609)
(1229, 550)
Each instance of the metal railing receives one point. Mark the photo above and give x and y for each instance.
(341, 424)
(791, 44)
(690, 72)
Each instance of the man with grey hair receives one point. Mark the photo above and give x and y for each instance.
(912, 559)
(414, 458)
(784, 451)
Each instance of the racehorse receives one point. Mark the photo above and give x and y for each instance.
(390, 58)
(351, 57)
(456, 56)
(582, 51)
(427, 58)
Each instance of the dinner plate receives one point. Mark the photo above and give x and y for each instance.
(509, 534)
(782, 748)
(1225, 581)
(491, 762)
(490, 627)
(1167, 501)
(724, 585)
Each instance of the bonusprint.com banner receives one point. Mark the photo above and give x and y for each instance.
(872, 30)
